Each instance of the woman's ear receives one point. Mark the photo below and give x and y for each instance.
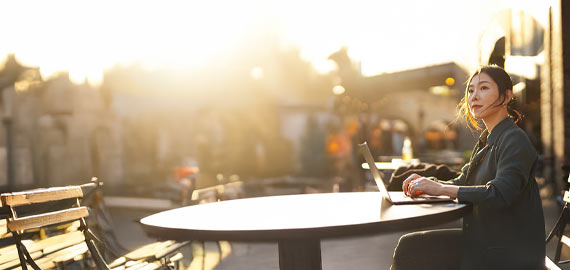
(508, 96)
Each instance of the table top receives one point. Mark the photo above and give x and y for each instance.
(323, 215)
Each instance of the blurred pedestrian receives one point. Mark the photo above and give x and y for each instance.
(186, 177)
(339, 150)
(313, 154)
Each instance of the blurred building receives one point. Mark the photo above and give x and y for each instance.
(131, 131)
(425, 99)
(531, 43)
(417, 103)
(57, 132)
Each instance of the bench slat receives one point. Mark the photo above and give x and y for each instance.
(47, 245)
(151, 266)
(15, 262)
(117, 262)
(3, 228)
(51, 218)
(170, 249)
(12, 253)
(72, 253)
(49, 260)
(12, 248)
(40, 195)
(147, 251)
(137, 266)
(68, 239)
(177, 257)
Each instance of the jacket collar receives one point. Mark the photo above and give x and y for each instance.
(498, 130)
(489, 139)
(486, 140)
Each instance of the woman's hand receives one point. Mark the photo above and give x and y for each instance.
(416, 185)
(422, 185)
(406, 183)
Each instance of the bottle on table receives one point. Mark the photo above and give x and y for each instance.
(407, 152)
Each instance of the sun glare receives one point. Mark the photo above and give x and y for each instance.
(84, 38)
(87, 37)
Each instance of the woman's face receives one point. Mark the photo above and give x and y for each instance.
(483, 97)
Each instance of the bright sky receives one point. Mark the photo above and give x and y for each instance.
(85, 37)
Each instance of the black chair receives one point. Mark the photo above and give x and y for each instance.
(558, 231)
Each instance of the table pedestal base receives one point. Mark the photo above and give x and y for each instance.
(300, 254)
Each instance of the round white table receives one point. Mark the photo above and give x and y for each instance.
(297, 222)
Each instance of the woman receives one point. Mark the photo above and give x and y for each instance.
(505, 229)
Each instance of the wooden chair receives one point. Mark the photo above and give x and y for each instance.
(47, 208)
(29, 210)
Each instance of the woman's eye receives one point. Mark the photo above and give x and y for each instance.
(484, 87)
(470, 91)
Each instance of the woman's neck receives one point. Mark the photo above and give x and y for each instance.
(493, 120)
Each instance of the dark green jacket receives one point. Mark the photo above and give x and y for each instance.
(505, 230)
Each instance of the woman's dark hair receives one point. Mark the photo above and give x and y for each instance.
(504, 83)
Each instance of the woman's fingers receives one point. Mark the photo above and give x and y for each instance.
(405, 186)
(406, 183)
(412, 188)
(415, 187)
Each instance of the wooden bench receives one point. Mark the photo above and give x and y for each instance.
(59, 212)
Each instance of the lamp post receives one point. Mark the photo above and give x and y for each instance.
(7, 120)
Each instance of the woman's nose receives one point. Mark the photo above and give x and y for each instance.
(473, 95)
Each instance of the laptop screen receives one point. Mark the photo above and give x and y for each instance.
(363, 147)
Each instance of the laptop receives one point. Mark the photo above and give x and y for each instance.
(395, 197)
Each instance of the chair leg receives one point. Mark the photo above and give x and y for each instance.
(219, 245)
(558, 230)
(559, 245)
(203, 254)
(561, 220)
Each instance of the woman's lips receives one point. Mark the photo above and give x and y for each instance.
(475, 107)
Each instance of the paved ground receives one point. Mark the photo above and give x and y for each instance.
(362, 253)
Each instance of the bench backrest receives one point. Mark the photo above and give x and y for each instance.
(41, 208)
(19, 221)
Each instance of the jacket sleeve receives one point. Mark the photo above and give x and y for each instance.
(515, 160)
(459, 180)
